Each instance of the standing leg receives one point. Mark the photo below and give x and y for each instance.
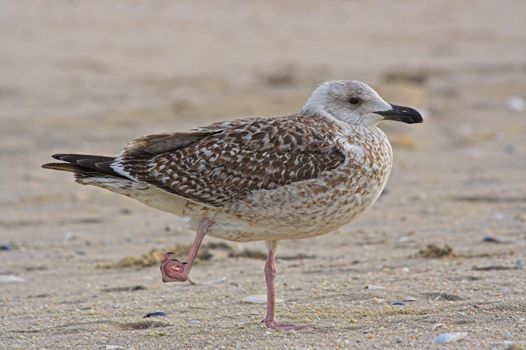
(173, 270)
(270, 277)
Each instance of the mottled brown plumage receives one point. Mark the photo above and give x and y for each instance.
(225, 162)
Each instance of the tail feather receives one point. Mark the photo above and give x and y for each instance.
(72, 158)
(63, 167)
(83, 164)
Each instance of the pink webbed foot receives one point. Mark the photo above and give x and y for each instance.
(173, 270)
(275, 325)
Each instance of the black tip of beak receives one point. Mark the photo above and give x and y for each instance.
(402, 114)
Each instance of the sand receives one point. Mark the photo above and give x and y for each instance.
(88, 77)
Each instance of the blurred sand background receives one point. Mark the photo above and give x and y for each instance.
(88, 76)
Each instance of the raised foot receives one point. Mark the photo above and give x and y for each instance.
(173, 270)
(287, 327)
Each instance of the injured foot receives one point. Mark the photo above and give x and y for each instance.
(173, 270)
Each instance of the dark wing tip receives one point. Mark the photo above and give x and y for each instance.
(73, 157)
(59, 156)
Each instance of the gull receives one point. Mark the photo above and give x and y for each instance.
(259, 179)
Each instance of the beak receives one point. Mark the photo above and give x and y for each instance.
(402, 114)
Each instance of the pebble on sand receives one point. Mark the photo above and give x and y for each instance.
(155, 314)
(491, 239)
(6, 247)
(449, 337)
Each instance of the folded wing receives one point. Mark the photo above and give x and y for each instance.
(224, 162)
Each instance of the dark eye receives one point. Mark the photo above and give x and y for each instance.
(354, 100)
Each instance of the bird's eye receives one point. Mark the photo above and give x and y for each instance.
(354, 100)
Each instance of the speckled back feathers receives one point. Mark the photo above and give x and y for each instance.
(224, 162)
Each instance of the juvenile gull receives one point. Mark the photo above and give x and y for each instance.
(270, 179)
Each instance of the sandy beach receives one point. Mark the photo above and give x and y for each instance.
(442, 251)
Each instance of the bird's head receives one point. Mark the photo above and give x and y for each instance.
(356, 103)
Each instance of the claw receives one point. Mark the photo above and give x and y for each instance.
(167, 256)
(173, 270)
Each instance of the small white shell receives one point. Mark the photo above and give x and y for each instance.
(374, 287)
(10, 279)
(217, 280)
(258, 299)
(516, 104)
(449, 337)
(406, 239)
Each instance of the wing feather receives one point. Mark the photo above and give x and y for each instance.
(160, 143)
(224, 162)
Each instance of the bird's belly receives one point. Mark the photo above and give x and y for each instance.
(297, 226)
(307, 209)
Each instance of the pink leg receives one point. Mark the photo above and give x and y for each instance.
(173, 270)
(270, 277)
